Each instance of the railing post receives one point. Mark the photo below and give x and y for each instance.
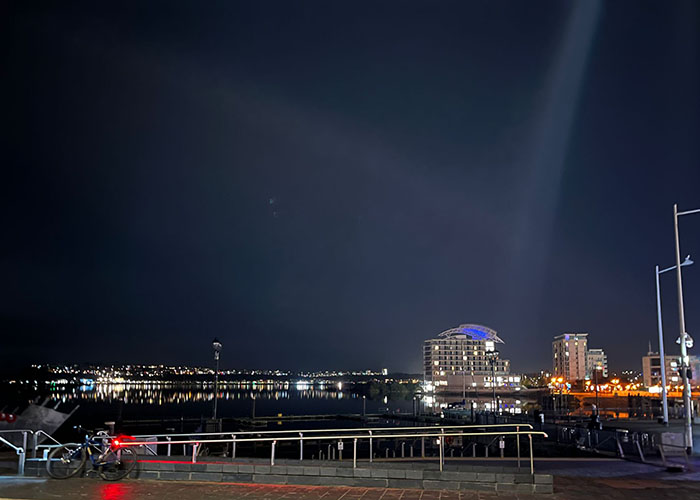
(370, 447)
(403, 449)
(354, 454)
(35, 436)
(169, 445)
(532, 458)
(517, 440)
(301, 446)
(194, 452)
(441, 444)
(272, 454)
(233, 448)
(422, 447)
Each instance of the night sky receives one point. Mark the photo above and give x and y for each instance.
(327, 184)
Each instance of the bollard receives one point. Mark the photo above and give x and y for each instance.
(301, 446)
(233, 448)
(354, 454)
(441, 443)
(387, 453)
(474, 450)
(272, 453)
(410, 451)
(452, 452)
(194, 453)
(517, 440)
(370, 447)
(422, 447)
(169, 445)
(403, 446)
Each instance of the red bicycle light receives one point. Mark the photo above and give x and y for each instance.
(116, 442)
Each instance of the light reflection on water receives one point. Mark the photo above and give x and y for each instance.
(159, 394)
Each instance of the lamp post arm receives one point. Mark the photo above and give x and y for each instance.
(688, 212)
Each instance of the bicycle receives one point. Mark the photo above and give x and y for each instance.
(108, 456)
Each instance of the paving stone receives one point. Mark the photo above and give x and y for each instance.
(545, 488)
(245, 468)
(362, 473)
(370, 482)
(440, 485)
(468, 485)
(182, 467)
(214, 467)
(379, 473)
(406, 483)
(345, 472)
(197, 467)
(486, 477)
(230, 468)
(432, 474)
(237, 478)
(295, 470)
(414, 474)
(304, 480)
(524, 478)
(396, 474)
(516, 488)
(278, 469)
(174, 476)
(312, 471)
(206, 476)
(543, 479)
(261, 469)
(327, 471)
(270, 478)
(145, 474)
(505, 478)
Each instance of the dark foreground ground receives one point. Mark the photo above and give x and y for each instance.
(566, 488)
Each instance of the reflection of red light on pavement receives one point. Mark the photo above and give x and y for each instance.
(113, 491)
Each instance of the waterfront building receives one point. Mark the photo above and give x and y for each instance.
(465, 358)
(596, 359)
(569, 356)
(651, 370)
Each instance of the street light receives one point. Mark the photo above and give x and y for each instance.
(684, 335)
(662, 356)
(217, 351)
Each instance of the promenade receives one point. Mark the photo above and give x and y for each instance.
(573, 480)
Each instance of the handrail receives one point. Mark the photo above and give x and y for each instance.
(20, 450)
(322, 431)
(196, 443)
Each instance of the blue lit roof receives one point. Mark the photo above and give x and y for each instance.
(476, 332)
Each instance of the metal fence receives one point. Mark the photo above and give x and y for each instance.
(441, 436)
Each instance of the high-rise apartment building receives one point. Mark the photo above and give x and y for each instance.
(596, 359)
(569, 356)
(465, 357)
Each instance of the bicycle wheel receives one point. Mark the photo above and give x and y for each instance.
(117, 464)
(66, 461)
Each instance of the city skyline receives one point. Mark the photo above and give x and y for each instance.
(327, 185)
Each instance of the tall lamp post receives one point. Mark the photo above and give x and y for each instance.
(662, 356)
(684, 338)
(217, 351)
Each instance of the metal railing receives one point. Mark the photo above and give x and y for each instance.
(20, 450)
(439, 433)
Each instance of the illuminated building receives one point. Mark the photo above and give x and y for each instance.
(460, 359)
(651, 370)
(569, 356)
(596, 359)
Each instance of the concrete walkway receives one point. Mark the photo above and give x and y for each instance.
(566, 488)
